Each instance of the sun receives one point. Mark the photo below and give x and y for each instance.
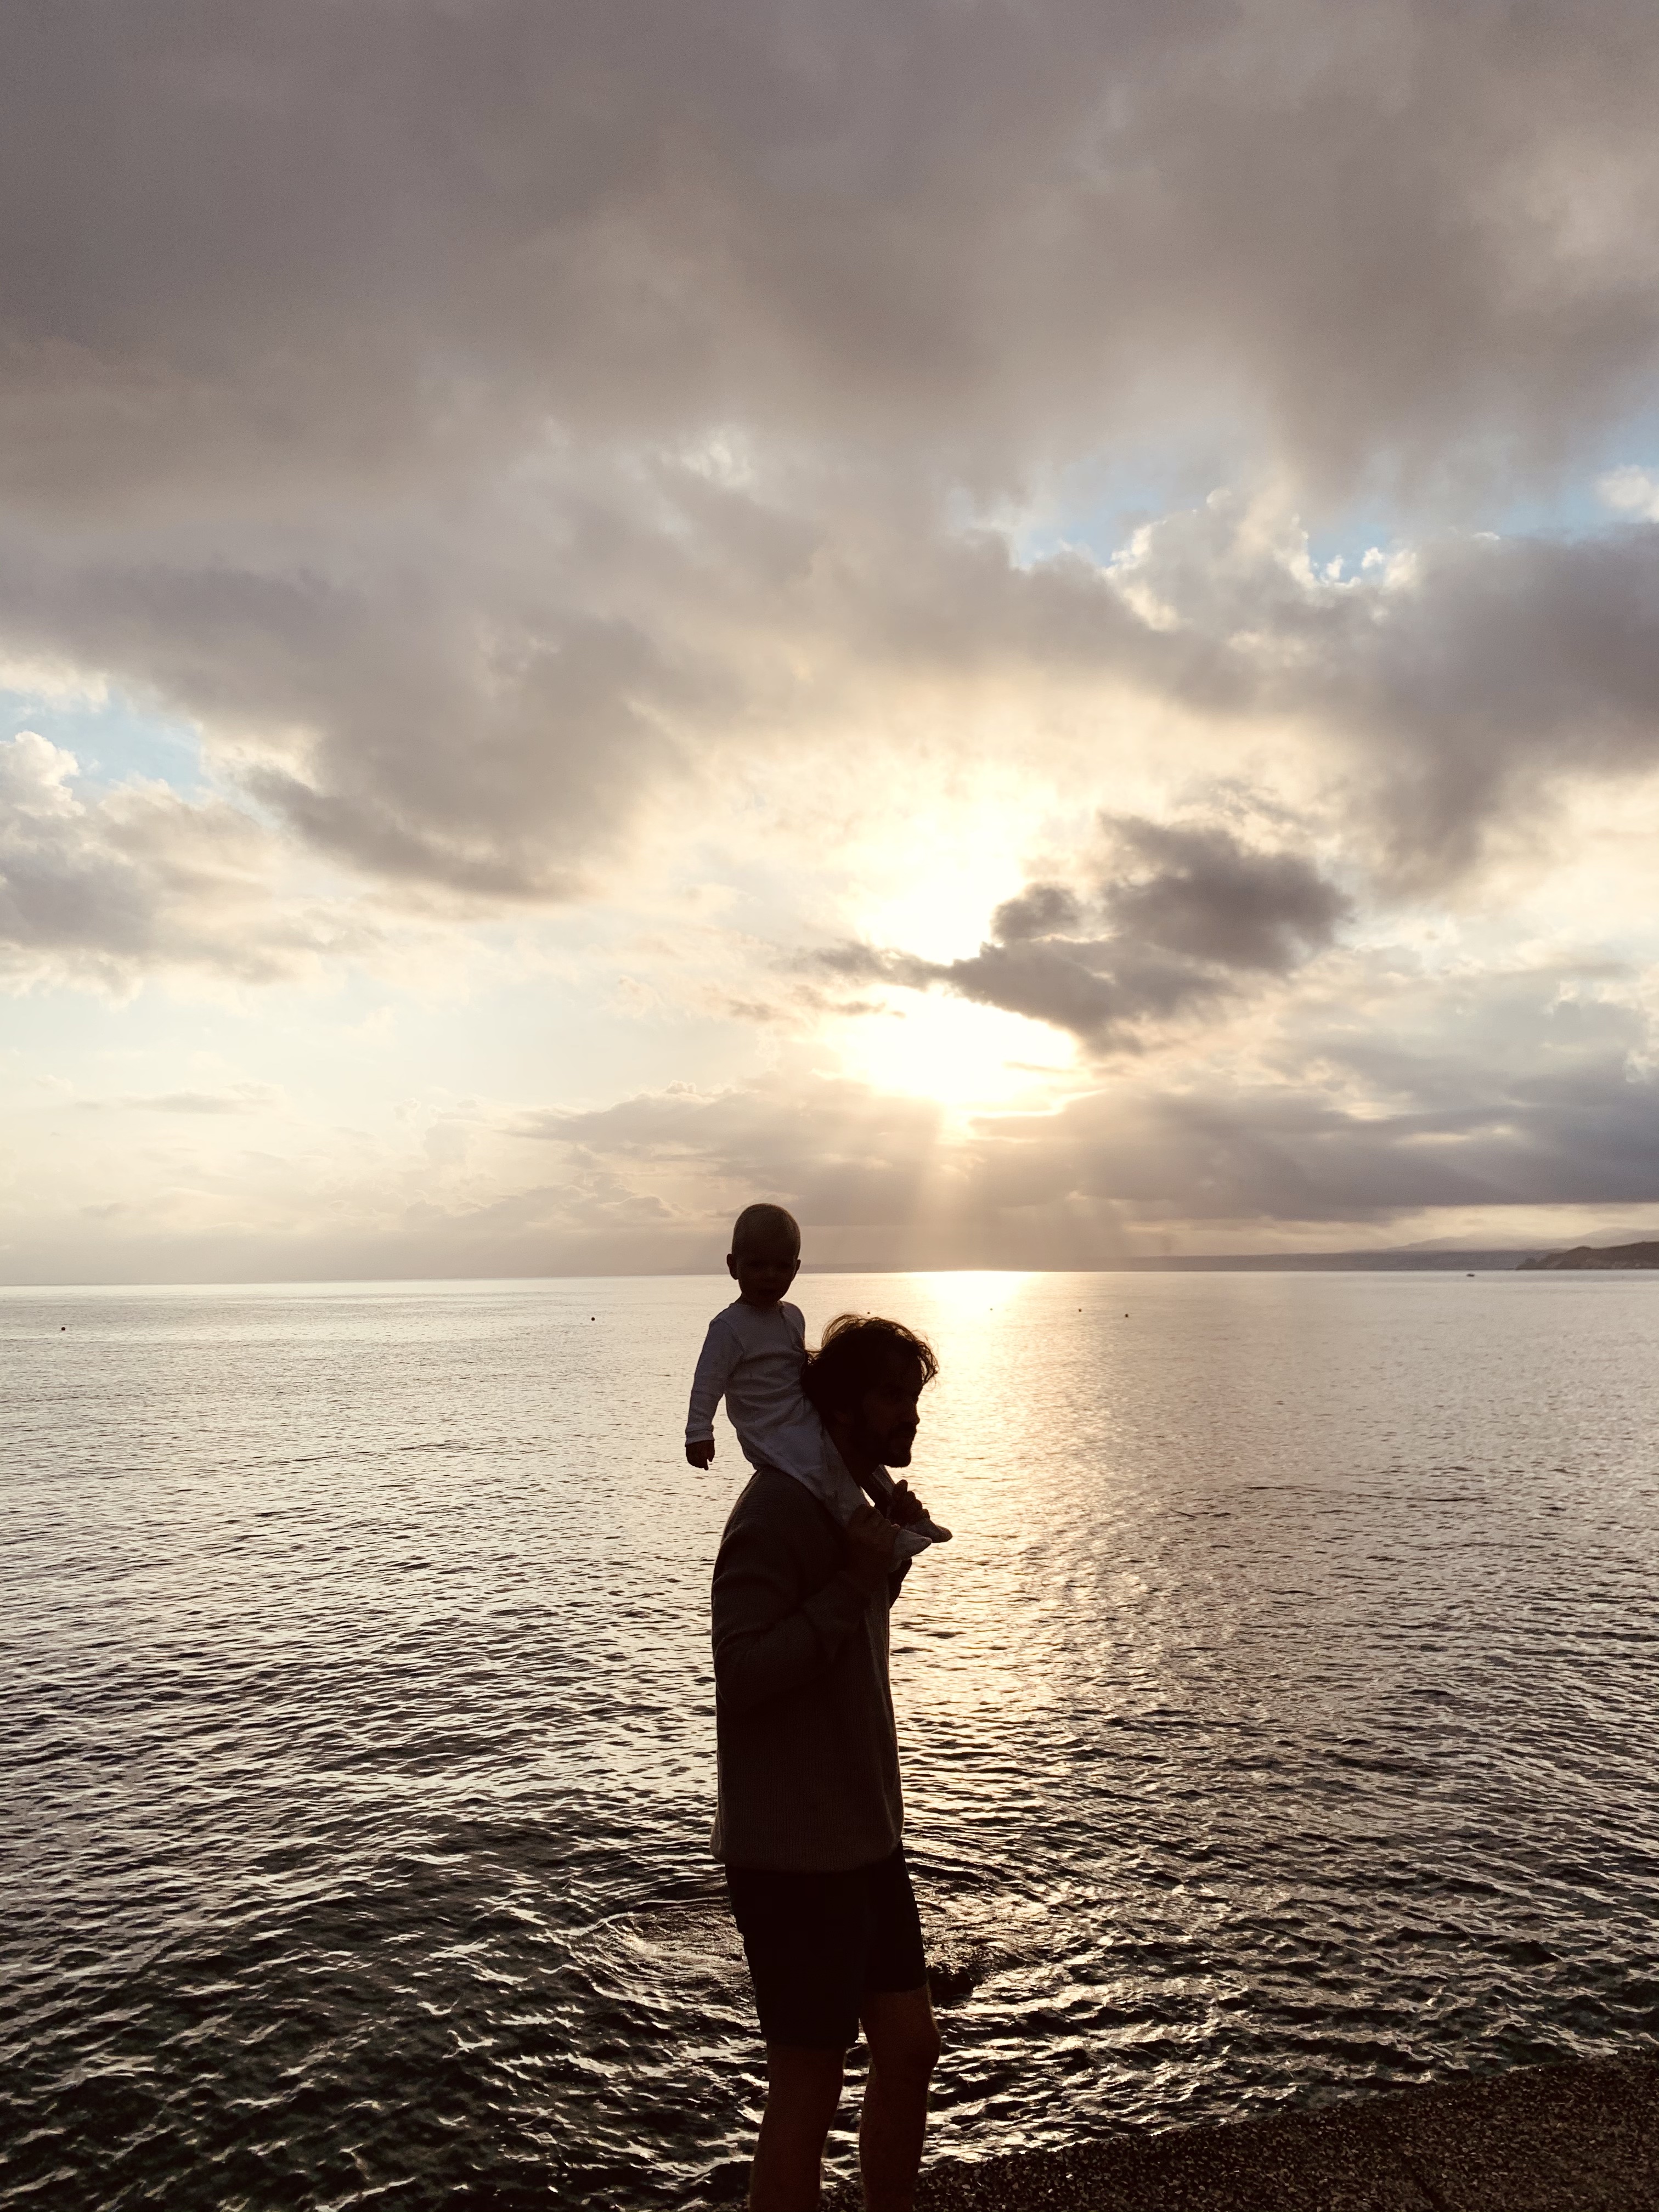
(931, 888)
(963, 1055)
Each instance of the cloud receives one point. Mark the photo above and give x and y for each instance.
(1191, 913)
(1533, 1092)
(241, 1098)
(552, 454)
(1392, 1106)
(499, 428)
(848, 1153)
(1434, 696)
(338, 238)
(1460, 682)
(1631, 491)
(141, 880)
(1203, 896)
(502, 727)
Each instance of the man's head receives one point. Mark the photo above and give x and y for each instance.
(765, 1255)
(865, 1379)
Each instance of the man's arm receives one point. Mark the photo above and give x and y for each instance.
(769, 1640)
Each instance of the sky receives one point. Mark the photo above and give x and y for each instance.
(1031, 628)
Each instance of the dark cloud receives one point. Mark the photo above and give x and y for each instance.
(402, 713)
(314, 241)
(1040, 910)
(1203, 896)
(1519, 1089)
(1284, 1158)
(485, 420)
(1189, 914)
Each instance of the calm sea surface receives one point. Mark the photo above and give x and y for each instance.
(1279, 1724)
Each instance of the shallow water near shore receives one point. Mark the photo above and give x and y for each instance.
(1279, 1723)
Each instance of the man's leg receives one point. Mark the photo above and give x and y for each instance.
(904, 2040)
(803, 2088)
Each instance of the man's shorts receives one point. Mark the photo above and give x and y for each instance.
(818, 1944)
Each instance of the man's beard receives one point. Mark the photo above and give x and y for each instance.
(886, 1447)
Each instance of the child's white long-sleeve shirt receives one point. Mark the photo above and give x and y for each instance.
(752, 1356)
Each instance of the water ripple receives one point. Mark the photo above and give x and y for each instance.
(1277, 1725)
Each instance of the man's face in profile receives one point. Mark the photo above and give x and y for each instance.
(889, 1415)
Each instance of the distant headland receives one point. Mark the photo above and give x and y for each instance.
(1606, 1256)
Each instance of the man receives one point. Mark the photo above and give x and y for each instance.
(809, 1808)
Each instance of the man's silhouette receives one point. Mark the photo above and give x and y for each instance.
(810, 1812)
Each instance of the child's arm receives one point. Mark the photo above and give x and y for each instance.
(718, 1356)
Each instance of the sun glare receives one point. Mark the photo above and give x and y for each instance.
(962, 1293)
(949, 1049)
(941, 905)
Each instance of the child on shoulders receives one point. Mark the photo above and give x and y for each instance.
(754, 1356)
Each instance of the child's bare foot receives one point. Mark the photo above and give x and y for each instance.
(912, 1516)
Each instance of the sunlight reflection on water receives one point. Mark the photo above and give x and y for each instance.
(1277, 1723)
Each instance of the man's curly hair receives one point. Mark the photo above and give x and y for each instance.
(860, 1352)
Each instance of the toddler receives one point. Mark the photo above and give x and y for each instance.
(753, 1356)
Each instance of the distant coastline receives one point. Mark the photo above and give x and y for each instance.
(1605, 1256)
(1398, 1260)
(1402, 1259)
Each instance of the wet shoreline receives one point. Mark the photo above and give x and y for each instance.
(1581, 2136)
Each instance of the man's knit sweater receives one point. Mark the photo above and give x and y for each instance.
(808, 1758)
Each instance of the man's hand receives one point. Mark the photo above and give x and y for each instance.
(869, 1548)
(701, 1454)
(905, 1506)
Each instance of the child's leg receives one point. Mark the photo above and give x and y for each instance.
(844, 1498)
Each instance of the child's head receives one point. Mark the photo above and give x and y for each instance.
(765, 1255)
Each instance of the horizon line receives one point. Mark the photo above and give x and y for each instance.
(1403, 1259)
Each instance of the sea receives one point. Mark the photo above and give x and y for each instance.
(1278, 1728)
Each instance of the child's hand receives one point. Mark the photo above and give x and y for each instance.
(700, 1454)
